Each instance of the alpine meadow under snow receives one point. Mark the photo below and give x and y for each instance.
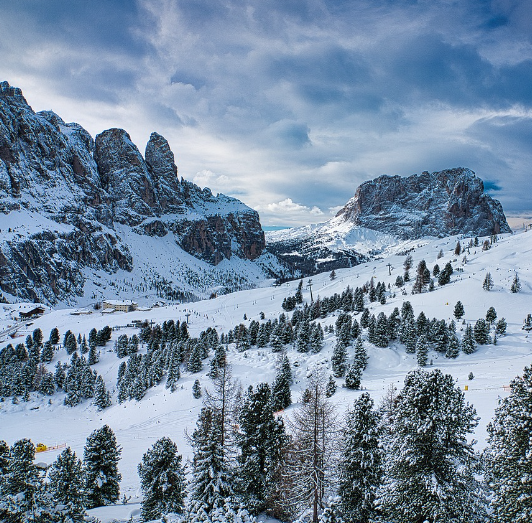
(169, 400)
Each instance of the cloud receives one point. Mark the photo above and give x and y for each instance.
(293, 100)
(288, 212)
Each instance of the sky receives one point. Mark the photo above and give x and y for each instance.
(289, 105)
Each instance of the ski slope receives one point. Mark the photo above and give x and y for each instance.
(138, 425)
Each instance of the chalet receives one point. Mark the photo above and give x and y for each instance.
(120, 305)
(31, 313)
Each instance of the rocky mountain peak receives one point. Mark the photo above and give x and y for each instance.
(441, 203)
(124, 175)
(88, 192)
(163, 170)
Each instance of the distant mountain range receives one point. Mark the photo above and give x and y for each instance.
(387, 211)
(84, 219)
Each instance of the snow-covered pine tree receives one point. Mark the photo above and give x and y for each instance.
(468, 341)
(211, 470)
(162, 480)
(453, 346)
(102, 397)
(194, 362)
(491, 315)
(54, 336)
(339, 358)
(487, 284)
(429, 464)
(481, 331)
(330, 388)
(21, 486)
(458, 310)
(47, 352)
(422, 350)
(360, 467)
(261, 440)
(380, 336)
(352, 376)
(516, 284)
(281, 396)
(361, 355)
(66, 487)
(500, 328)
(174, 372)
(100, 466)
(303, 336)
(509, 454)
(196, 389)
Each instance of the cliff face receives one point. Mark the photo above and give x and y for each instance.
(441, 204)
(54, 173)
(387, 210)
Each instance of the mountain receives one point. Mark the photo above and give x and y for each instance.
(79, 214)
(163, 412)
(388, 211)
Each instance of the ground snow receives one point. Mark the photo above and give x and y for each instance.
(161, 413)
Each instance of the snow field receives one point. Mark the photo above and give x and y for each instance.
(138, 425)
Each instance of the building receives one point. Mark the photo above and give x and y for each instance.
(31, 313)
(120, 305)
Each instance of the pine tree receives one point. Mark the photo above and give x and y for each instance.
(66, 486)
(458, 310)
(211, 469)
(352, 376)
(47, 352)
(509, 454)
(261, 440)
(54, 336)
(360, 462)
(468, 341)
(100, 464)
(281, 396)
(422, 350)
(330, 388)
(93, 355)
(303, 337)
(361, 355)
(453, 346)
(429, 465)
(516, 284)
(339, 358)
(491, 315)
(196, 389)
(481, 331)
(380, 336)
(487, 285)
(21, 487)
(102, 397)
(194, 362)
(500, 328)
(162, 480)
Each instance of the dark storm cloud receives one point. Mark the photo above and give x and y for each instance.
(291, 104)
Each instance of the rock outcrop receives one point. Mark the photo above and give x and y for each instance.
(438, 204)
(84, 190)
(388, 210)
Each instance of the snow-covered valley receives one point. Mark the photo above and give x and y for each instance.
(138, 424)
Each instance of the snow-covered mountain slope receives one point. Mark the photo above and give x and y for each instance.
(162, 413)
(389, 211)
(72, 207)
